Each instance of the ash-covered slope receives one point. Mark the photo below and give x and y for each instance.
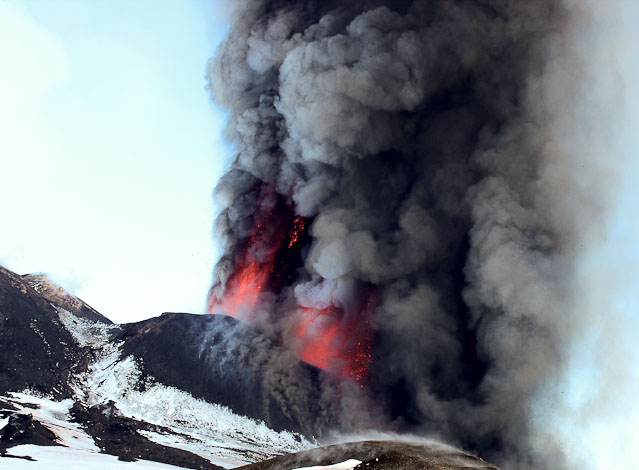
(377, 455)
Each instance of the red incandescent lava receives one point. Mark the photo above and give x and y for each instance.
(252, 273)
(336, 339)
(335, 342)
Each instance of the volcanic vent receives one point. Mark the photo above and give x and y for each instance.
(268, 259)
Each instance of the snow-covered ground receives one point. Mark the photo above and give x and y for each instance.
(212, 431)
(63, 458)
(80, 451)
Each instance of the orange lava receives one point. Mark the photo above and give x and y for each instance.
(254, 268)
(333, 339)
(335, 342)
(318, 333)
(242, 292)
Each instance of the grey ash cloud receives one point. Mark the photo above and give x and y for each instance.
(419, 138)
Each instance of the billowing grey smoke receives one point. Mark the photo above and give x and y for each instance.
(415, 135)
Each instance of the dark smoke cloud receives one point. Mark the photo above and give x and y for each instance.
(417, 136)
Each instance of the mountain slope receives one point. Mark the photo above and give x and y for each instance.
(37, 351)
(141, 390)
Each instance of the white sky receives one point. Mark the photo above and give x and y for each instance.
(110, 148)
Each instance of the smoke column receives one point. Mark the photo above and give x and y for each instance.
(410, 199)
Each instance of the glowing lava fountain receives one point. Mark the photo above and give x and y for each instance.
(265, 269)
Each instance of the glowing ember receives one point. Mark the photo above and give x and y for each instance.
(296, 231)
(242, 296)
(254, 263)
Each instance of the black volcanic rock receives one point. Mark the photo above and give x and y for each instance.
(118, 435)
(36, 350)
(378, 455)
(24, 429)
(221, 360)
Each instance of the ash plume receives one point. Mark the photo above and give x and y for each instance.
(400, 194)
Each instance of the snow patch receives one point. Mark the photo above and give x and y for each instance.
(38, 286)
(347, 465)
(55, 416)
(87, 333)
(33, 325)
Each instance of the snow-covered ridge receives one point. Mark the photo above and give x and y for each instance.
(209, 430)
